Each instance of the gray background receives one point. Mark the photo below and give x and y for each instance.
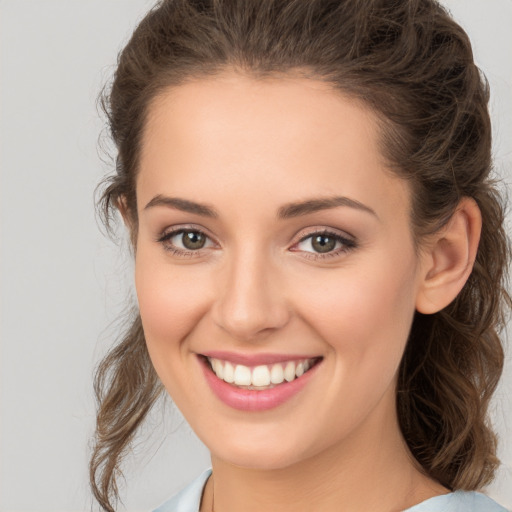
(63, 284)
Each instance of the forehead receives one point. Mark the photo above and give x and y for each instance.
(294, 108)
(280, 138)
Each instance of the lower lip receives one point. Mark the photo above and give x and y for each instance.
(255, 400)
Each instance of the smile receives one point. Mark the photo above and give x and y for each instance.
(257, 387)
(261, 376)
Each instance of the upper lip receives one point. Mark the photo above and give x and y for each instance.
(255, 359)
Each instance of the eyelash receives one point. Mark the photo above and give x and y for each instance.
(348, 244)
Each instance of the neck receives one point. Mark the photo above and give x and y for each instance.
(373, 470)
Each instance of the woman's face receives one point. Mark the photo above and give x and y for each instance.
(270, 235)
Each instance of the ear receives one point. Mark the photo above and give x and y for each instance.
(122, 206)
(448, 260)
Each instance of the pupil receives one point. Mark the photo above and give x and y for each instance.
(193, 240)
(323, 243)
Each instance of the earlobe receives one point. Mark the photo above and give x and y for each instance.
(449, 259)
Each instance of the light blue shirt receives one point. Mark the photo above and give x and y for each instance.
(189, 499)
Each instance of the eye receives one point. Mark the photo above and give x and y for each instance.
(325, 243)
(184, 241)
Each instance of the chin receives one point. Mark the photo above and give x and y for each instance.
(266, 456)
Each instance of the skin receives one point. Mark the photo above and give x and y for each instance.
(246, 148)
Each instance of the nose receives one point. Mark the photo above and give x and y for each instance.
(250, 303)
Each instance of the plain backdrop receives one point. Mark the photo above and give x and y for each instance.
(63, 284)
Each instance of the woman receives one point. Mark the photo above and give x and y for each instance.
(319, 254)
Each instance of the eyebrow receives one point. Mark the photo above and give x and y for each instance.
(324, 203)
(288, 211)
(182, 204)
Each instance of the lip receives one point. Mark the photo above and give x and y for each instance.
(255, 400)
(256, 359)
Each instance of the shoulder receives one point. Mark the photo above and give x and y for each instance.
(189, 498)
(459, 501)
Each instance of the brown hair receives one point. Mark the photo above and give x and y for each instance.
(411, 63)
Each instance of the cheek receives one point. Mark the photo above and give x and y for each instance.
(172, 299)
(364, 313)
(364, 316)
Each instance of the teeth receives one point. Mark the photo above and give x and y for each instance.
(289, 371)
(259, 377)
(229, 372)
(242, 375)
(276, 374)
(218, 368)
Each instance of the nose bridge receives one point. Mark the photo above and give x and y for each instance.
(250, 300)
